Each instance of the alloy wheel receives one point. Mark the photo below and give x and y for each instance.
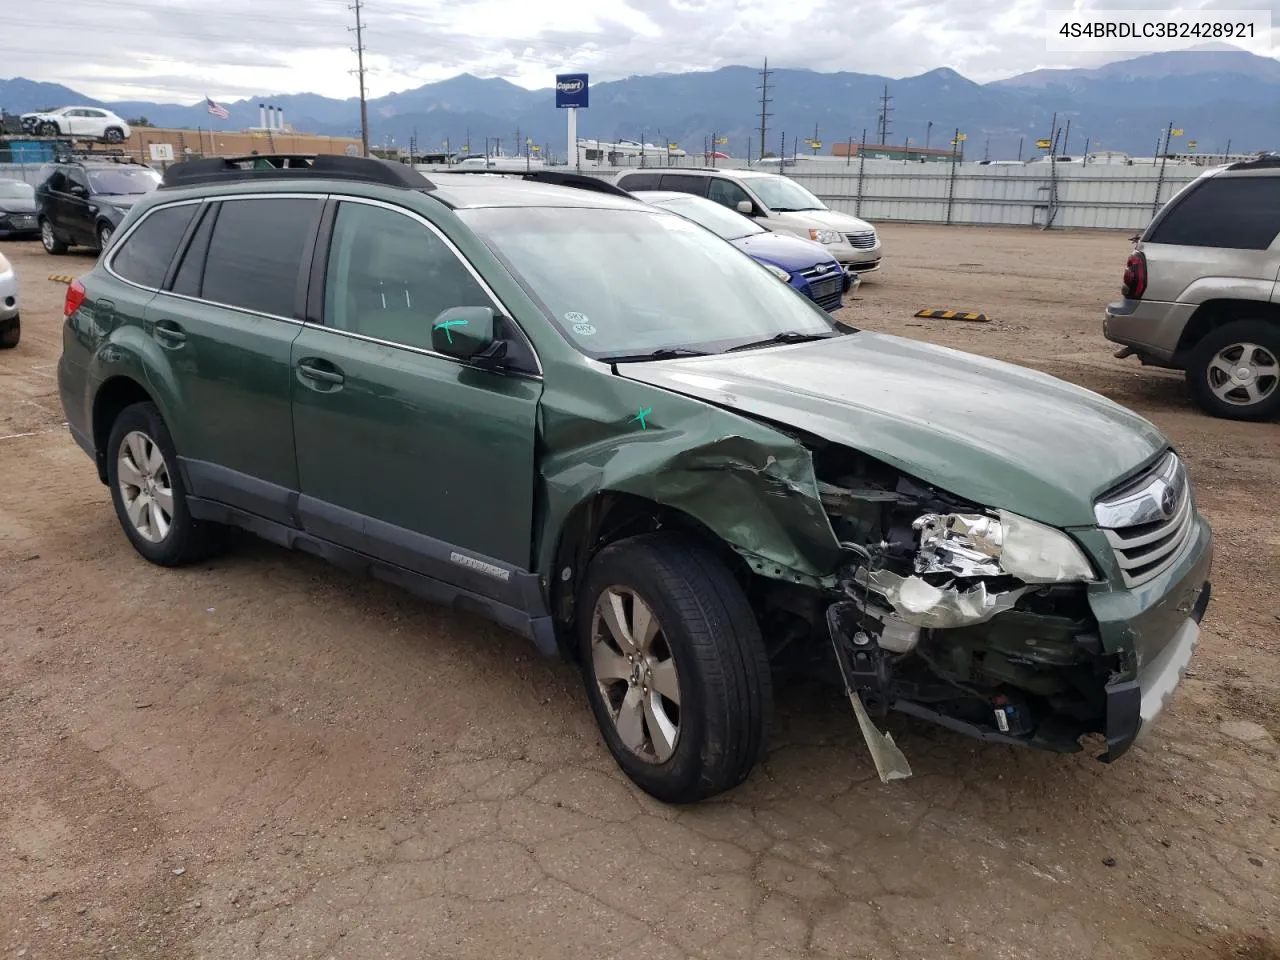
(636, 673)
(1243, 374)
(46, 235)
(145, 486)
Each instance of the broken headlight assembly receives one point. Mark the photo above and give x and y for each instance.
(977, 545)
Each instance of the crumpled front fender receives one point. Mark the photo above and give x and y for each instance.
(749, 484)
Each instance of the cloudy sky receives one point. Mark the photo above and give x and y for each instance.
(181, 50)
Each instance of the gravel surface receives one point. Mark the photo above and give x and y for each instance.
(263, 757)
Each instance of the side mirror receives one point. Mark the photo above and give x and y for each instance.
(466, 333)
(744, 206)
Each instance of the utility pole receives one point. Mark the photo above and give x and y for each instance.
(1020, 139)
(358, 30)
(928, 134)
(986, 150)
(885, 110)
(764, 106)
(815, 140)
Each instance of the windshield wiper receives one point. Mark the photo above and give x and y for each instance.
(786, 336)
(662, 353)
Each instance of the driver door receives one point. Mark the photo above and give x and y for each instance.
(404, 454)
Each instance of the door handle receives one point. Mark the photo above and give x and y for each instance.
(320, 372)
(169, 333)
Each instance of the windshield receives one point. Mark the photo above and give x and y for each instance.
(16, 190)
(123, 181)
(718, 219)
(625, 282)
(783, 195)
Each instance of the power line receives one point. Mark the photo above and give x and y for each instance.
(764, 104)
(364, 103)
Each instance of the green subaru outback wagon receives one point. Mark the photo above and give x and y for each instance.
(609, 430)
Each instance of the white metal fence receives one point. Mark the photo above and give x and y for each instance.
(1060, 195)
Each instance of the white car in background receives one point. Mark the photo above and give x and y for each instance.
(89, 123)
(10, 326)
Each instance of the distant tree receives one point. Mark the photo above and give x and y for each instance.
(139, 122)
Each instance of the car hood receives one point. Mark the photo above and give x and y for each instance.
(124, 201)
(790, 253)
(17, 205)
(831, 219)
(996, 434)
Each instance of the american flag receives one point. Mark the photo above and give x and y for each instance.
(220, 112)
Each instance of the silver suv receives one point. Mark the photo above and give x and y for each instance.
(778, 204)
(1202, 290)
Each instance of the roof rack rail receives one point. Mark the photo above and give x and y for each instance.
(1262, 160)
(294, 166)
(558, 178)
(72, 156)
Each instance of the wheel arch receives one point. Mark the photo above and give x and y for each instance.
(1218, 313)
(114, 395)
(606, 517)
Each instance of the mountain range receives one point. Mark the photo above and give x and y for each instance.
(1216, 96)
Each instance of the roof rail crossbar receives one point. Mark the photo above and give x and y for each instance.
(557, 178)
(290, 166)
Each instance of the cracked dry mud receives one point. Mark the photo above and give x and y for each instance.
(263, 757)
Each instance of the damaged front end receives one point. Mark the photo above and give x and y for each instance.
(973, 619)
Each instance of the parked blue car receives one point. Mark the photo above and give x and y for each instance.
(802, 263)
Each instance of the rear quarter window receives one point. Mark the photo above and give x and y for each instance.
(144, 255)
(1239, 213)
(685, 183)
(639, 181)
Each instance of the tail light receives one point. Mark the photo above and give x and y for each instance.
(1135, 276)
(75, 298)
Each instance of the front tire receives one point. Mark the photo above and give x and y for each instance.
(50, 239)
(10, 333)
(48, 129)
(148, 493)
(674, 666)
(1234, 372)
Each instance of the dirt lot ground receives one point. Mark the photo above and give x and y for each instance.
(266, 758)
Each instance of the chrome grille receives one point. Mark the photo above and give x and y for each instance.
(824, 287)
(862, 241)
(1148, 520)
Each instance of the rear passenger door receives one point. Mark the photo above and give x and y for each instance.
(234, 307)
(403, 453)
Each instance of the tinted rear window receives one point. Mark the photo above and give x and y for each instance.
(256, 252)
(145, 253)
(1241, 213)
(685, 183)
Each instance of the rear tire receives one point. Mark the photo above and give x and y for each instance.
(50, 239)
(701, 663)
(148, 493)
(113, 135)
(1234, 371)
(104, 235)
(10, 333)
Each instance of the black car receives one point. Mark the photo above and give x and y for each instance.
(17, 209)
(81, 202)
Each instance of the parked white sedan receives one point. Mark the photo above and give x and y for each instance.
(10, 326)
(89, 123)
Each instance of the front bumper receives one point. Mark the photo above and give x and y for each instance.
(1133, 706)
(1152, 328)
(18, 225)
(8, 295)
